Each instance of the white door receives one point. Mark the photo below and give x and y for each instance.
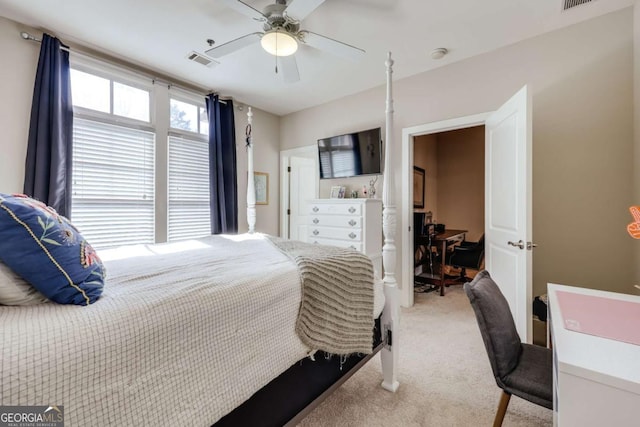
(302, 184)
(508, 206)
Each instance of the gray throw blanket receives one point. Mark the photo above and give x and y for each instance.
(336, 313)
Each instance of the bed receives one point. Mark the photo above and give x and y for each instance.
(186, 335)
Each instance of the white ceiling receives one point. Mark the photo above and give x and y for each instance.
(158, 34)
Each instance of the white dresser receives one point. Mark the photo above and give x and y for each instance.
(348, 223)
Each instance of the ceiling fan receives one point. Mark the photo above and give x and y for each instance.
(282, 35)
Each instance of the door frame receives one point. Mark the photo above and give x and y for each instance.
(408, 134)
(309, 151)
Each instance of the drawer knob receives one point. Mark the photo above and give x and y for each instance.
(315, 232)
(352, 247)
(352, 209)
(315, 209)
(316, 220)
(352, 222)
(352, 235)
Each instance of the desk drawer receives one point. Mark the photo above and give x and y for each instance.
(335, 233)
(340, 243)
(336, 209)
(335, 221)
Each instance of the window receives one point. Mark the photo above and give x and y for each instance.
(105, 95)
(113, 189)
(130, 102)
(188, 171)
(189, 116)
(189, 212)
(91, 92)
(113, 183)
(118, 198)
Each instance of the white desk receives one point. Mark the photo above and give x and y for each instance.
(596, 381)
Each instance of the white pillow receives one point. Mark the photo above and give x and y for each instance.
(16, 291)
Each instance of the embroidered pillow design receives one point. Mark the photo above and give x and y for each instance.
(46, 250)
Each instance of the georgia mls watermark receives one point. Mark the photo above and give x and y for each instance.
(31, 416)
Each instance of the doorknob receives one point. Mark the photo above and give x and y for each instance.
(519, 244)
(531, 245)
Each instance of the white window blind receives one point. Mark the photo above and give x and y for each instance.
(189, 211)
(113, 183)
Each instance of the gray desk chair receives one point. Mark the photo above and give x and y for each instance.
(521, 369)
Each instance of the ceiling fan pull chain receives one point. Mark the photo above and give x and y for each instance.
(276, 55)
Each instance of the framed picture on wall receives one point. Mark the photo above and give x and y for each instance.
(261, 181)
(418, 187)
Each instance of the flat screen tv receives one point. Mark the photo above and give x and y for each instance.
(349, 155)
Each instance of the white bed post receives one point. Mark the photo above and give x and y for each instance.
(251, 190)
(391, 313)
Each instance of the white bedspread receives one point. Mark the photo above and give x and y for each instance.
(180, 336)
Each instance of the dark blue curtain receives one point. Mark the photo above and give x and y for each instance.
(49, 149)
(223, 186)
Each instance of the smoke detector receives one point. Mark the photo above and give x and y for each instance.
(439, 53)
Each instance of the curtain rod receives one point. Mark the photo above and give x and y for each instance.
(30, 37)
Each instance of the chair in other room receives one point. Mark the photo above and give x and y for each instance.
(467, 255)
(418, 230)
(519, 368)
(420, 250)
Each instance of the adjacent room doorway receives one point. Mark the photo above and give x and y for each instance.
(448, 197)
(508, 230)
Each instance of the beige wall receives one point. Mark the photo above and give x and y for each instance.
(17, 75)
(581, 79)
(461, 180)
(636, 98)
(425, 156)
(454, 178)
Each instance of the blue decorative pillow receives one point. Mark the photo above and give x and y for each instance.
(46, 250)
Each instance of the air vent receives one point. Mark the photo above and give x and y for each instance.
(568, 4)
(201, 59)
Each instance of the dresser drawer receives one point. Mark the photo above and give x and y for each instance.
(347, 234)
(340, 243)
(336, 209)
(335, 221)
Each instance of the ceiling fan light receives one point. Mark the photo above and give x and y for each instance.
(279, 43)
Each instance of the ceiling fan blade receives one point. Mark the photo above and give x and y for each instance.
(300, 9)
(245, 9)
(289, 67)
(233, 45)
(332, 46)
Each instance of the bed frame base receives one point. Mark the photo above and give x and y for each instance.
(296, 392)
(318, 400)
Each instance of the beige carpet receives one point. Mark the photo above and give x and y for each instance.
(445, 377)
